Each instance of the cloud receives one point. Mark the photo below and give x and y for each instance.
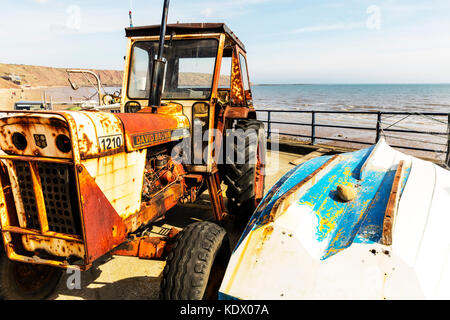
(330, 27)
(225, 9)
(207, 12)
(249, 2)
(40, 1)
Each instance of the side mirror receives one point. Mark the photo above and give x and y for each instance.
(73, 85)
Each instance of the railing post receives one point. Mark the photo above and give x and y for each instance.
(447, 160)
(378, 127)
(313, 127)
(268, 125)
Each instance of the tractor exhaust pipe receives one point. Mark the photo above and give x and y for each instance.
(159, 64)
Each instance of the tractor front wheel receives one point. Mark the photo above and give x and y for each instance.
(196, 264)
(23, 281)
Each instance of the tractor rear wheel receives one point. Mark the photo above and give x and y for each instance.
(196, 264)
(23, 281)
(244, 168)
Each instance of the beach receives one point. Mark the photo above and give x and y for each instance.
(34, 83)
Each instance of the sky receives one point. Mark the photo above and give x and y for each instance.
(287, 41)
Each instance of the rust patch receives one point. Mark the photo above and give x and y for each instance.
(104, 229)
(216, 195)
(237, 88)
(392, 206)
(86, 141)
(146, 129)
(151, 248)
(156, 207)
(148, 247)
(129, 249)
(236, 113)
(57, 123)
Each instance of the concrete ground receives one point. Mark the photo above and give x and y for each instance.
(129, 278)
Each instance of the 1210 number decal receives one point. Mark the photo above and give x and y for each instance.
(110, 142)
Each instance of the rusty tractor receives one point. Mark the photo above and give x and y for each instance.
(79, 185)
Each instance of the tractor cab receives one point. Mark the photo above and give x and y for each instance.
(205, 63)
(205, 75)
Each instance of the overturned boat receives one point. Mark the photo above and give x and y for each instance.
(371, 224)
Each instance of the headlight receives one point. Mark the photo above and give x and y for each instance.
(63, 143)
(19, 141)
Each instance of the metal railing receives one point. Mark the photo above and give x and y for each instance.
(377, 129)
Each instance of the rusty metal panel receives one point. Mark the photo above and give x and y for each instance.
(8, 215)
(99, 134)
(392, 205)
(49, 234)
(44, 198)
(39, 196)
(120, 179)
(40, 132)
(104, 229)
(143, 130)
(58, 247)
(144, 248)
(216, 195)
(151, 248)
(148, 247)
(237, 87)
(156, 207)
(128, 249)
(32, 240)
(20, 177)
(236, 113)
(35, 159)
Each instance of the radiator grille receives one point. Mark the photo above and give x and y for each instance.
(55, 180)
(60, 197)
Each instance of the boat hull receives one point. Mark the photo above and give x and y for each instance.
(390, 242)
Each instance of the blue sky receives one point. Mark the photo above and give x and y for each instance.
(288, 41)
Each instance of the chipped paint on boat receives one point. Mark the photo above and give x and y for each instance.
(320, 247)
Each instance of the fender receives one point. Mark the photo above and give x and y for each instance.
(239, 113)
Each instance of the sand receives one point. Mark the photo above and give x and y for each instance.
(28, 83)
(37, 76)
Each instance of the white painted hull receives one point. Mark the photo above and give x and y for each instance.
(285, 258)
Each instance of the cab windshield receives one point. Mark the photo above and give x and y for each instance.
(189, 69)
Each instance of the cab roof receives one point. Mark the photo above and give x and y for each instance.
(183, 28)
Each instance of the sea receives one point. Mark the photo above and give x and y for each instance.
(408, 98)
(354, 97)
